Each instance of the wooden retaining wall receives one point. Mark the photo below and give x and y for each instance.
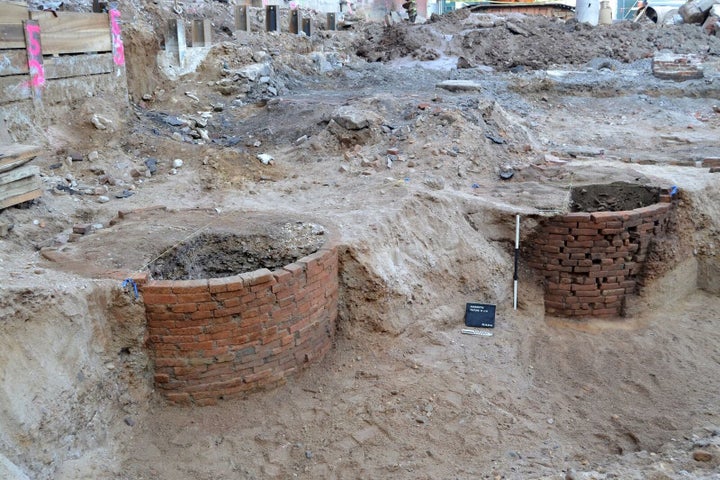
(56, 57)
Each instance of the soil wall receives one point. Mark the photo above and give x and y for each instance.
(219, 337)
(591, 261)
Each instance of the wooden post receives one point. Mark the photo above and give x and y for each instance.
(331, 24)
(175, 45)
(242, 19)
(271, 18)
(201, 33)
(35, 58)
(295, 21)
(307, 26)
(118, 48)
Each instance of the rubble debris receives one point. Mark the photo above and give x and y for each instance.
(672, 66)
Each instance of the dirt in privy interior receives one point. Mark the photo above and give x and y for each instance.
(223, 254)
(613, 197)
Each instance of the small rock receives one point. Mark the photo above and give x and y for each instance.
(506, 172)
(93, 156)
(177, 163)
(702, 456)
(103, 199)
(5, 229)
(265, 158)
(434, 182)
(308, 454)
(129, 421)
(147, 97)
(301, 140)
(151, 165)
(173, 171)
(571, 475)
(550, 421)
(343, 169)
(100, 122)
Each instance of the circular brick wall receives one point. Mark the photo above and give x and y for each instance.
(592, 261)
(216, 338)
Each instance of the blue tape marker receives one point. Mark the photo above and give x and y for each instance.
(673, 191)
(130, 281)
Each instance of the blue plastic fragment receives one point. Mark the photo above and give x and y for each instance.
(130, 281)
(475, 185)
(673, 191)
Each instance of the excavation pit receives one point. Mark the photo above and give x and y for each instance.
(593, 260)
(227, 312)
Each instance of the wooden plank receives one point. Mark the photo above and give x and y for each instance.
(13, 62)
(14, 12)
(78, 65)
(74, 32)
(18, 151)
(75, 88)
(19, 187)
(19, 173)
(17, 199)
(11, 35)
(14, 88)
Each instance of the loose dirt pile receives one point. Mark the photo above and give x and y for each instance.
(376, 133)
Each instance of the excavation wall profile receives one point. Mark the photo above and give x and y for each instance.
(216, 338)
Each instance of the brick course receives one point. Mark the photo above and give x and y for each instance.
(216, 338)
(592, 261)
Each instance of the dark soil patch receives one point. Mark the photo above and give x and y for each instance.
(223, 254)
(612, 197)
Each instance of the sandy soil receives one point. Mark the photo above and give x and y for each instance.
(403, 394)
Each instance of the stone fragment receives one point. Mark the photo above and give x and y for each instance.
(702, 456)
(265, 158)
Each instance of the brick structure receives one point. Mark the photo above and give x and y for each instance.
(592, 261)
(216, 338)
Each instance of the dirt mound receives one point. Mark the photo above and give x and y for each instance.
(535, 42)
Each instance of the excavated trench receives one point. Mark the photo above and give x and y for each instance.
(594, 257)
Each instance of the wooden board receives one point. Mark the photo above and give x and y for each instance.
(18, 188)
(14, 89)
(74, 32)
(18, 174)
(23, 197)
(78, 65)
(14, 62)
(14, 155)
(14, 11)
(11, 35)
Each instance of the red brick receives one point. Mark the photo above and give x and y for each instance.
(194, 297)
(184, 308)
(158, 286)
(259, 276)
(180, 398)
(584, 231)
(161, 298)
(201, 315)
(218, 285)
(588, 293)
(606, 216)
(190, 286)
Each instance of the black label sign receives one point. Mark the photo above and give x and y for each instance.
(480, 315)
